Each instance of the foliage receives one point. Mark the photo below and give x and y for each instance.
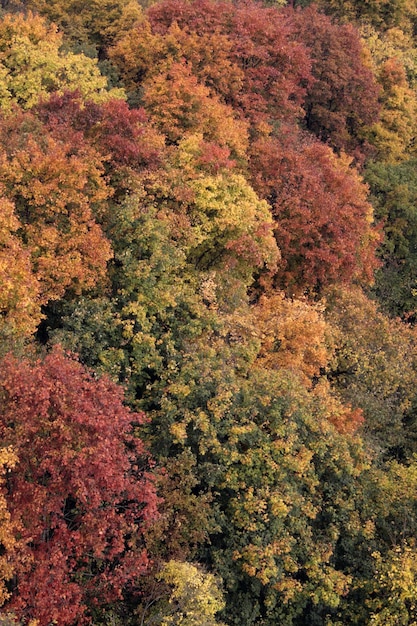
(122, 136)
(393, 43)
(32, 65)
(195, 596)
(19, 289)
(394, 134)
(394, 192)
(373, 367)
(242, 53)
(88, 25)
(323, 219)
(79, 493)
(394, 596)
(382, 14)
(56, 186)
(204, 246)
(394, 65)
(179, 106)
(226, 213)
(185, 516)
(292, 335)
(383, 589)
(262, 444)
(8, 529)
(342, 99)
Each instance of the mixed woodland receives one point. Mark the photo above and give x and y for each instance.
(208, 312)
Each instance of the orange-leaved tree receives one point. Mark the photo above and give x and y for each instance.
(57, 187)
(19, 289)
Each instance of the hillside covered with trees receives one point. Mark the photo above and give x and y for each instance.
(208, 309)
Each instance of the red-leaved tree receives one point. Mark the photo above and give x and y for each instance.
(323, 219)
(342, 98)
(81, 493)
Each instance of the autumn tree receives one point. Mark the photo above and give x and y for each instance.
(393, 136)
(383, 583)
(176, 248)
(374, 368)
(8, 529)
(179, 106)
(342, 99)
(393, 43)
(183, 250)
(80, 491)
(192, 597)
(170, 241)
(391, 595)
(323, 221)
(393, 598)
(19, 289)
(187, 363)
(255, 436)
(393, 59)
(292, 334)
(127, 144)
(33, 65)
(178, 331)
(57, 187)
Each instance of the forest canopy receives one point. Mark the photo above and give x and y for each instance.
(208, 305)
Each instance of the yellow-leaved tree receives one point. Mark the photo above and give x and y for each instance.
(33, 65)
(193, 597)
(8, 460)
